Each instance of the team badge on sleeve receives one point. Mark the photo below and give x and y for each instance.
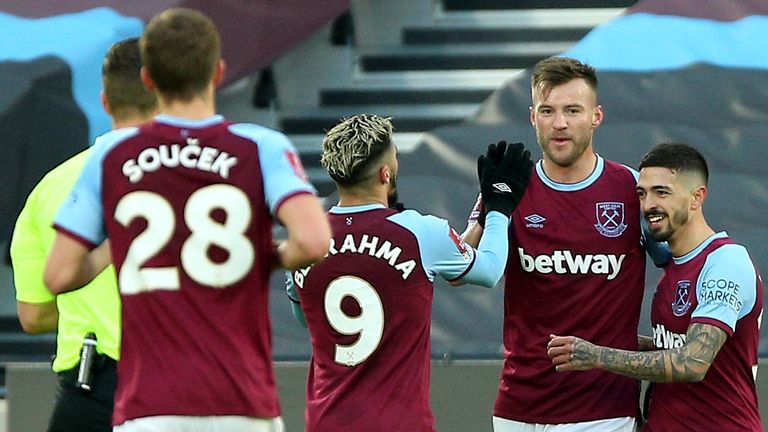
(610, 218)
(295, 162)
(682, 298)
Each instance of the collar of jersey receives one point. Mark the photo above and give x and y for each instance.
(182, 122)
(571, 187)
(355, 209)
(692, 254)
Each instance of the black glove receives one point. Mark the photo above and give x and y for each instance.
(495, 151)
(504, 173)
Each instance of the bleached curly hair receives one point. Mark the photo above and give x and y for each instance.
(351, 146)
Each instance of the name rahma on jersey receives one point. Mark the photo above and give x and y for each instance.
(370, 245)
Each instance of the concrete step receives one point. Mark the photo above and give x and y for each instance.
(23, 347)
(542, 19)
(407, 118)
(483, 79)
(434, 35)
(533, 4)
(400, 96)
(439, 57)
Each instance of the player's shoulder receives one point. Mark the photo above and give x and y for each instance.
(621, 169)
(730, 254)
(619, 174)
(418, 223)
(103, 144)
(260, 135)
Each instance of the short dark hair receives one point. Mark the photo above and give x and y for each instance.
(351, 147)
(121, 76)
(180, 48)
(677, 157)
(554, 71)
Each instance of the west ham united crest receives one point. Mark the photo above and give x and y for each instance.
(610, 218)
(682, 298)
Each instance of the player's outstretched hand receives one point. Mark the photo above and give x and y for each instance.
(504, 172)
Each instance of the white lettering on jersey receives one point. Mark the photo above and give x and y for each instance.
(721, 291)
(564, 262)
(665, 339)
(369, 245)
(173, 155)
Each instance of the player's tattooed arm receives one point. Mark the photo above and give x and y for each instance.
(688, 363)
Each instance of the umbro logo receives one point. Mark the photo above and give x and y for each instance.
(502, 187)
(535, 221)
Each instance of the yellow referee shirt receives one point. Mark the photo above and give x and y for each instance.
(93, 308)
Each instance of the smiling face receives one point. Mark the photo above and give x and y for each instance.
(565, 117)
(666, 199)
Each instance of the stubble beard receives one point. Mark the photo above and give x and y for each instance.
(564, 160)
(664, 234)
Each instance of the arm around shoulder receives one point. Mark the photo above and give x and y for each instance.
(689, 363)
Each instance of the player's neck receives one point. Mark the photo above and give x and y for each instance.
(118, 123)
(200, 107)
(349, 198)
(690, 236)
(579, 171)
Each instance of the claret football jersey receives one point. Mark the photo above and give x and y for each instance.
(576, 267)
(188, 207)
(714, 284)
(368, 309)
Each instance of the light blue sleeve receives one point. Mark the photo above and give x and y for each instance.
(444, 253)
(726, 288)
(658, 251)
(281, 167)
(293, 296)
(82, 212)
(492, 251)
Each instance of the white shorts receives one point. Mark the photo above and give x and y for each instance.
(202, 424)
(620, 424)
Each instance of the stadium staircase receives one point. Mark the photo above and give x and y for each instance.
(440, 73)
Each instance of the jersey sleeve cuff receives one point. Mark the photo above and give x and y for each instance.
(76, 237)
(464, 273)
(288, 196)
(715, 322)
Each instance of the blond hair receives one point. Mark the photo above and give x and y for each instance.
(351, 147)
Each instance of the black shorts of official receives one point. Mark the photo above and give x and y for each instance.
(77, 410)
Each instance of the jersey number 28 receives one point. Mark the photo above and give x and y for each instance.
(205, 231)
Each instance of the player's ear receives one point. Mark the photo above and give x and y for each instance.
(597, 116)
(532, 115)
(147, 80)
(105, 103)
(218, 73)
(385, 175)
(699, 196)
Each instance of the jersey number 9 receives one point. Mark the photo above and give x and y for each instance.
(369, 325)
